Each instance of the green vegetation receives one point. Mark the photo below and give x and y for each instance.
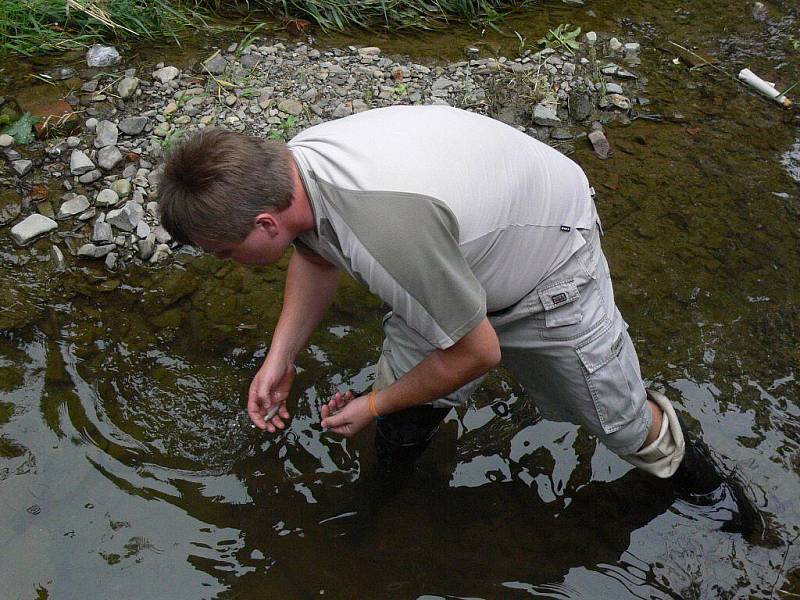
(562, 37)
(284, 129)
(35, 26)
(22, 129)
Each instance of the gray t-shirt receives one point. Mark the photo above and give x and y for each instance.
(443, 213)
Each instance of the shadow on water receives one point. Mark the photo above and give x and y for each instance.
(127, 465)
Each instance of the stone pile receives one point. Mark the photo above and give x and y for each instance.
(108, 210)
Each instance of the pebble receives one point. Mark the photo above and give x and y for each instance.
(133, 125)
(166, 74)
(102, 233)
(6, 140)
(59, 263)
(91, 124)
(94, 251)
(544, 114)
(127, 217)
(600, 144)
(73, 141)
(216, 65)
(614, 88)
(108, 157)
(107, 197)
(22, 167)
(122, 187)
(31, 228)
(291, 107)
(591, 37)
(106, 134)
(111, 261)
(102, 56)
(614, 44)
(73, 207)
(91, 176)
(127, 86)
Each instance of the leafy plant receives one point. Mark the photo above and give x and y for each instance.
(283, 132)
(562, 37)
(22, 129)
(401, 89)
(172, 137)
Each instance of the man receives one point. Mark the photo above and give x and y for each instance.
(484, 242)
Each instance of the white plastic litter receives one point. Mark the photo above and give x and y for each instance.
(764, 87)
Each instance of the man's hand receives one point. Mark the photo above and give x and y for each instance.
(266, 401)
(352, 416)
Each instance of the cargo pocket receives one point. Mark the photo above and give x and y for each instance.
(562, 311)
(607, 379)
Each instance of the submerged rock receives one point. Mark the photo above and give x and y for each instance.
(600, 144)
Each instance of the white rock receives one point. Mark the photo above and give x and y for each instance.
(127, 86)
(162, 251)
(166, 74)
(73, 207)
(106, 134)
(102, 56)
(59, 264)
(591, 37)
(106, 197)
(142, 229)
(22, 167)
(102, 233)
(79, 163)
(111, 261)
(6, 140)
(32, 227)
(108, 157)
(91, 124)
(546, 115)
(614, 44)
(127, 217)
(93, 251)
(122, 187)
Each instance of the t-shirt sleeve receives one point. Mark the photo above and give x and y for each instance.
(405, 248)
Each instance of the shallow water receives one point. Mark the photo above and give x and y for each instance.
(128, 466)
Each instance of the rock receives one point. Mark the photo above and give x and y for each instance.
(111, 261)
(146, 247)
(127, 86)
(31, 228)
(6, 140)
(142, 229)
(216, 65)
(93, 251)
(73, 207)
(442, 84)
(73, 141)
(170, 108)
(102, 56)
(9, 207)
(568, 69)
(22, 167)
(59, 263)
(291, 106)
(600, 144)
(102, 233)
(122, 187)
(344, 109)
(369, 51)
(91, 176)
(79, 163)
(166, 74)
(133, 125)
(591, 37)
(106, 197)
(249, 61)
(162, 251)
(544, 114)
(62, 73)
(632, 49)
(108, 157)
(561, 133)
(127, 217)
(106, 134)
(614, 88)
(760, 12)
(614, 44)
(91, 124)
(620, 101)
(162, 235)
(580, 106)
(230, 99)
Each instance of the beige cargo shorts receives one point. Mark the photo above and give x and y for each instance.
(566, 343)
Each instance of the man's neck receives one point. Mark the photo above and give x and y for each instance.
(302, 217)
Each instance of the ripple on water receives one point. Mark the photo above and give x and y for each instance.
(791, 161)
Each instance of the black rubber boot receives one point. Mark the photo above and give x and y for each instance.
(701, 480)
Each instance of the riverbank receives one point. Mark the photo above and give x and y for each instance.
(92, 193)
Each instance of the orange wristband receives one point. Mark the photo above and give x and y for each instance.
(371, 402)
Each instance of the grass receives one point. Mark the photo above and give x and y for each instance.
(31, 27)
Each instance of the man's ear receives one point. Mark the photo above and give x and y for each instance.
(268, 222)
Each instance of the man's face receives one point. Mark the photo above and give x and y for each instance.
(264, 245)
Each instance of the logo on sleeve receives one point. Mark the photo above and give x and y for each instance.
(559, 298)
